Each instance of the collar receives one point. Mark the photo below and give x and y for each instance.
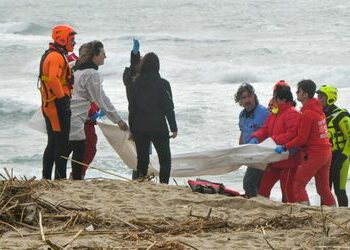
(86, 65)
(58, 48)
(249, 114)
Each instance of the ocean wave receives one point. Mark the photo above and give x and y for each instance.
(15, 110)
(23, 28)
(204, 71)
(154, 37)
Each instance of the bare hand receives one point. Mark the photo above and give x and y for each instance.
(173, 135)
(122, 125)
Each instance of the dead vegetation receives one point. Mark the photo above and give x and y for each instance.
(22, 207)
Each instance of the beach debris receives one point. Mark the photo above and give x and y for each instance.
(22, 206)
(90, 228)
(58, 224)
(265, 237)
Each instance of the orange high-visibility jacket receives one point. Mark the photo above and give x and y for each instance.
(54, 84)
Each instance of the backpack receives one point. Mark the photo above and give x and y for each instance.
(208, 187)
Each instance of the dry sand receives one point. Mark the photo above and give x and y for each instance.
(147, 215)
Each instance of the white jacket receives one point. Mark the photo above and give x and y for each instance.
(88, 88)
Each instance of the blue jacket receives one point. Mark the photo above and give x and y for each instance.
(249, 123)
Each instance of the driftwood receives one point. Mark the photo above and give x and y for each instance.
(21, 206)
(19, 198)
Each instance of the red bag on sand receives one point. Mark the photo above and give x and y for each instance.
(208, 187)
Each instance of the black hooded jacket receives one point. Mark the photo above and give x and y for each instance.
(150, 99)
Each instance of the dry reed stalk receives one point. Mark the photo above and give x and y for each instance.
(264, 236)
(41, 227)
(26, 225)
(78, 208)
(3, 177)
(148, 248)
(17, 197)
(8, 175)
(125, 222)
(186, 244)
(14, 228)
(74, 237)
(347, 230)
(99, 169)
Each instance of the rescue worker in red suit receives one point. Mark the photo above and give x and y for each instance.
(312, 138)
(55, 85)
(282, 126)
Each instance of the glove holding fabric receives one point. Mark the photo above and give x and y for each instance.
(280, 149)
(97, 115)
(136, 46)
(254, 140)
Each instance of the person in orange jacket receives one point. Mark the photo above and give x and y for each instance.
(55, 85)
(313, 140)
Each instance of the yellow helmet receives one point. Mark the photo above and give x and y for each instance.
(329, 91)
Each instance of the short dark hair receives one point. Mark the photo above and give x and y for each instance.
(307, 86)
(284, 93)
(245, 87)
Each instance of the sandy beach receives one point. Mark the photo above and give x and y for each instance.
(112, 214)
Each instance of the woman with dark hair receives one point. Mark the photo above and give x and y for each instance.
(129, 75)
(87, 89)
(312, 138)
(150, 106)
(281, 126)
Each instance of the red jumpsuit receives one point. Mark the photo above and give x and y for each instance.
(282, 128)
(312, 136)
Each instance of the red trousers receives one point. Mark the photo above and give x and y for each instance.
(90, 145)
(286, 178)
(315, 164)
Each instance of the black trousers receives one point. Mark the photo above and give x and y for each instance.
(78, 149)
(57, 146)
(160, 141)
(335, 177)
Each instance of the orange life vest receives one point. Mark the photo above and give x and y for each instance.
(55, 81)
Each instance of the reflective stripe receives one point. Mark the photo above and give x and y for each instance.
(46, 79)
(335, 134)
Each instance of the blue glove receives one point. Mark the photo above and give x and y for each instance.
(97, 115)
(136, 46)
(279, 149)
(254, 140)
(101, 113)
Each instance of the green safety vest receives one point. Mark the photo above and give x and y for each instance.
(338, 124)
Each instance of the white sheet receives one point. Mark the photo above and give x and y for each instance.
(37, 122)
(215, 162)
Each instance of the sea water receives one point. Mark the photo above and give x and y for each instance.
(206, 49)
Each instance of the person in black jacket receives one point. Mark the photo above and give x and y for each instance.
(131, 73)
(150, 107)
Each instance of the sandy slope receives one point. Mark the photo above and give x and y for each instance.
(142, 215)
